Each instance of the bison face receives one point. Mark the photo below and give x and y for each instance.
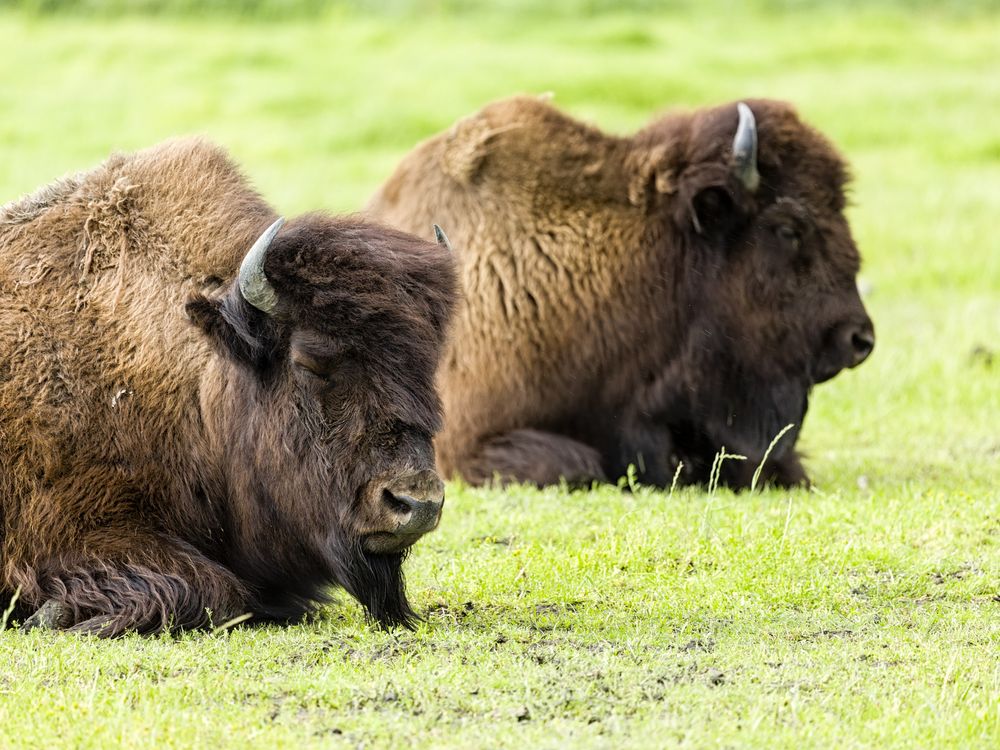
(341, 396)
(323, 406)
(806, 265)
(771, 271)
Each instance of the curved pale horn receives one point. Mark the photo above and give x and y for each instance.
(442, 238)
(745, 148)
(254, 286)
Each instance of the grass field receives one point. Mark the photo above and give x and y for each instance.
(862, 613)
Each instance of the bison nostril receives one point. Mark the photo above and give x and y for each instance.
(401, 505)
(413, 515)
(862, 342)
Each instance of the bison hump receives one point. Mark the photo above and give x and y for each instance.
(467, 145)
(181, 207)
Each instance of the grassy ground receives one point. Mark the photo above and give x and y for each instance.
(864, 613)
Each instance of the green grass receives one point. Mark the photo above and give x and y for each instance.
(863, 613)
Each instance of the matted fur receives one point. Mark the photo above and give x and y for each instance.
(158, 474)
(626, 299)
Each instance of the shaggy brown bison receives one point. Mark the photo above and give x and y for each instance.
(182, 442)
(645, 300)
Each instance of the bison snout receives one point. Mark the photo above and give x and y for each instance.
(412, 507)
(849, 344)
(862, 341)
(414, 516)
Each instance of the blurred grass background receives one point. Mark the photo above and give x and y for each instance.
(478, 8)
(874, 625)
(319, 107)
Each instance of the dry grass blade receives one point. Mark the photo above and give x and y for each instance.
(10, 609)
(767, 453)
(232, 623)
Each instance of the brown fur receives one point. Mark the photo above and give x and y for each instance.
(628, 300)
(158, 474)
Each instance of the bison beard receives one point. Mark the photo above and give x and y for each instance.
(377, 582)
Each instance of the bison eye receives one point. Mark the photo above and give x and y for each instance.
(311, 366)
(789, 235)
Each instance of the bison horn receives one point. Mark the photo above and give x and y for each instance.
(442, 238)
(745, 148)
(254, 286)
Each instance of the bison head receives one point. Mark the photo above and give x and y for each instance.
(321, 407)
(769, 268)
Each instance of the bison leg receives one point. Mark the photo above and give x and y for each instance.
(533, 457)
(130, 582)
(52, 615)
(786, 471)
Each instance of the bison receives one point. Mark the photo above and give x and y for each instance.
(204, 413)
(645, 300)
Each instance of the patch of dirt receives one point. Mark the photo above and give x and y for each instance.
(454, 611)
(984, 356)
(557, 607)
(688, 674)
(388, 651)
(697, 644)
(812, 637)
(958, 574)
(929, 599)
(504, 541)
(871, 661)
(715, 677)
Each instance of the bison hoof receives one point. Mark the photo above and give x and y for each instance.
(52, 615)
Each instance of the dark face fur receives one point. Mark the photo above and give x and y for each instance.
(774, 307)
(326, 409)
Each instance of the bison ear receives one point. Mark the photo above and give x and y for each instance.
(228, 339)
(712, 210)
(204, 313)
(710, 202)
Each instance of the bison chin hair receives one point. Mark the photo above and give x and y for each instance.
(377, 582)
